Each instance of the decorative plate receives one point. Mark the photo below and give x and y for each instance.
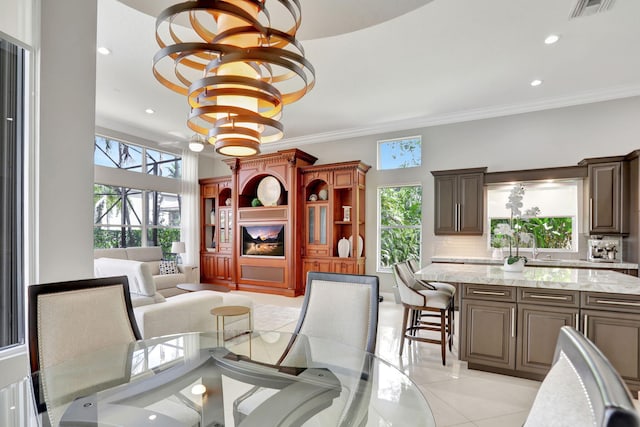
(269, 191)
(322, 194)
(360, 245)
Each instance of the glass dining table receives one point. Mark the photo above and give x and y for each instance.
(190, 379)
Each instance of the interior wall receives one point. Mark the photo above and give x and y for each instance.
(557, 137)
(17, 20)
(66, 105)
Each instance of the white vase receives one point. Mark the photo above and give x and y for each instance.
(516, 267)
(343, 248)
(497, 253)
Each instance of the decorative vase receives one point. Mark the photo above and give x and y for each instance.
(516, 267)
(213, 217)
(343, 248)
(497, 253)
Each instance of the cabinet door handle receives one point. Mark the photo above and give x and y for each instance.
(627, 303)
(585, 327)
(591, 213)
(513, 322)
(577, 326)
(554, 297)
(500, 294)
(459, 217)
(455, 217)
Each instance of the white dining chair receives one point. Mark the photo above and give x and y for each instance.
(337, 308)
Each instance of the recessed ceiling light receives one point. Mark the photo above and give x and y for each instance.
(149, 111)
(104, 50)
(551, 39)
(535, 82)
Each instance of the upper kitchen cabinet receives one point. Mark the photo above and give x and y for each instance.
(459, 201)
(608, 195)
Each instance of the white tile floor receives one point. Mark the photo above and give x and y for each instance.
(457, 396)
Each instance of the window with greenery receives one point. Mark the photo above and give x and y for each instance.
(125, 217)
(116, 154)
(400, 153)
(400, 226)
(554, 228)
(13, 60)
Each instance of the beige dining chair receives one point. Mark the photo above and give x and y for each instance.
(70, 319)
(338, 308)
(581, 389)
(420, 307)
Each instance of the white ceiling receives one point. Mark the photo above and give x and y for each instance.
(393, 68)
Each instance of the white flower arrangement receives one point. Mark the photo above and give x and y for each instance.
(515, 232)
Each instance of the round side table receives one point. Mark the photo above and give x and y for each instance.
(223, 311)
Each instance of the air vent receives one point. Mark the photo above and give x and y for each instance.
(590, 7)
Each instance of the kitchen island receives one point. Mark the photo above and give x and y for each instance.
(509, 322)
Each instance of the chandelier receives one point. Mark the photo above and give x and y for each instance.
(236, 67)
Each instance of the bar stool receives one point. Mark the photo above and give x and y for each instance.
(414, 266)
(423, 304)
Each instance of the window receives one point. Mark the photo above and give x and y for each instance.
(400, 153)
(555, 228)
(13, 61)
(120, 155)
(125, 217)
(145, 212)
(400, 224)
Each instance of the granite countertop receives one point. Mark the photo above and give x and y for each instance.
(592, 280)
(540, 262)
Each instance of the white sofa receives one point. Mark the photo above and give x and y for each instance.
(165, 283)
(187, 312)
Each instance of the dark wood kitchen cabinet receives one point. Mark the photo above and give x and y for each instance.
(541, 314)
(489, 322)
(459, 201)
(612, 323)
(608, 197)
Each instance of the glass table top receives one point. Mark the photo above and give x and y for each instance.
(197, 380)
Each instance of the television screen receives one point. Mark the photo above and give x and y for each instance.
(263, 240)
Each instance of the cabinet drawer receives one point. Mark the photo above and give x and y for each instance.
(317, 251)
(489, 292)
(549, 297)
(611, 302)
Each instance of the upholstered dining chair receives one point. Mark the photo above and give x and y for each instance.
(581, 389)
(340, 308)
(423, 304)
(69, 319)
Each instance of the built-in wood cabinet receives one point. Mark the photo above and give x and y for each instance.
(334, 209)
(608, 195)
(216, 230)
(267, 222)
(459, 201)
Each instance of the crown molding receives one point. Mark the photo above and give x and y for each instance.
(462, 116)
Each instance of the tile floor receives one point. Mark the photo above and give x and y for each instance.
(457, 396)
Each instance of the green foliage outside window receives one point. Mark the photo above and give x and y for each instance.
(549, 232)
(400, 224)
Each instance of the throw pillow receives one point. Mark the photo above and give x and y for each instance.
(168, 267)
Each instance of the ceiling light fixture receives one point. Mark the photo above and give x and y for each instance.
(196, 143)
(104, 50)
(236, 69)
(535, 82)
(149, 111)
(551, 39)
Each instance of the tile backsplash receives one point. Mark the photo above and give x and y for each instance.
(476, 246)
